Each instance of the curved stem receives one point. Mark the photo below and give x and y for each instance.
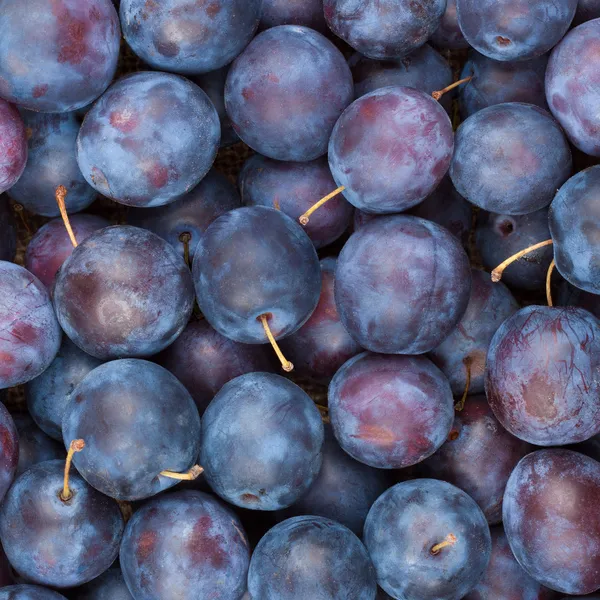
(190, 475)
(450, 540)
(497, 272)
(61, 194)
(75, 446)
(461, 403)
(185, 238)
(549, 283)
(286, 365)
(437, 95)
(306, 216)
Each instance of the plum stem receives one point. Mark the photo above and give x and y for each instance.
(437, 95)
(190, 475)
(549, 282)
(304, 219)
(75, 446)
(497, 272)
(450, 540)
(461, 403)
(185, 238)
(324, 410)
(276, 204)
(286, 365)
(61, 194)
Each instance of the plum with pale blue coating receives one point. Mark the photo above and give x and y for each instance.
(9, 450)
(123, 292)
(185, 546)
(30, 334)
(293, 12)
(48, 394)
(510, 158)
(13, 145)
(34, 445)
(293, 188)
(57, 56)
(8, 230)
(407, 521)
(241, 274)
(551, 518)
(262, 439)
(489, 306)
(149, 139)
(573, 84)
(390, 149)
(574, 220)
(137, 420)
(448, 35)
(34, 520)
(283, 566)
(108, 586)
(29, 592)
(285, 92)
(497, 237)
(390, 412)
(191, 214)
(541, 379)
(189, 36)
(586, 11)
(495, 82)
(514, 29)
(384, 28)
(401, 285)
(51, 245)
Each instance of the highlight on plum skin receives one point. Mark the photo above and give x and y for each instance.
(13, 145)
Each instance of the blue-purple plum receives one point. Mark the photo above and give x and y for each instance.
(262, 439)
(137, 421)
(285, 92)
(405, 525)
(466, 348)
(241, 274)
(293, 12)
(510, 158)
(390, 149)
(31, 334)
(569, 295)
(108, 586)
(401, 285)
(390, 412)
(187, 36)
(8, 230)
(150, 139)
(384, 28)
(55, 542)
(185, 546)
(514, 29)
(551, 518)
(52, 144)
(9, 450)
(123, 292)
(293, 188)
(34, 445)
(541, 378)
(283, 566)
(448, 35)
(13, 145)
(29, 592)
(586, 11)
(6, 572)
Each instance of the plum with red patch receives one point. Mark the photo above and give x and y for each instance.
(29, 592)
(448, 35)
(186, 545)
(9, 450)
(8, 230)
(57, 55)
(293, 12)
(13, 146)
(34, 445)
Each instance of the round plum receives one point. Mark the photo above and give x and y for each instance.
(13, 144)
(108, 586)
(586, 11)
(293, 12)
(569, 295)
(448, 35)
(9, 450)
(8, 230)
(29, 592)
(34, 445)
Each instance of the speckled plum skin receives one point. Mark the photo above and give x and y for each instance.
(108, 586)
(494, 82)
(8, 230)
(499, 236)
(384, 28)
(240, 274)
(185, 546)
(293, 12)
(283, 566)
(285, 92)
(49, 393)
(13, 145)
(401, 285)
(192, 213)
(189, 36)
(573, 220)
(261, 442)
(9, 450)
(390, 412)
(123, 292)
(390, 149)
(141, 409)
(34, 445)
(29, 332)
(204, 361)
(51, 141)
(33, 517)
(51, 245)
(510, 158)
(514, 29)
(57, 56)
(478, 457)
(150, 139)
(573, 84)
(407, 521)
(541, 379)
(586, 11)
(489, 306)
(293, 188)
(29, 592)
(552, 519)
(448, 35)
(505, 579)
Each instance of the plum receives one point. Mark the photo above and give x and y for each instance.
(13, 145)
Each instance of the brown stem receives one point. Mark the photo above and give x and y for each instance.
(324, 410)
(61, 194)
(286, 365)
(549, 282)
(75, 446)
(497, 272)
(306, 216)
(450, 540)
(461, 403)
(276, 204)
(190, 475)
(437, 95)
(185, 238)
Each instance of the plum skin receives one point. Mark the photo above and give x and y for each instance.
(34, 445)
(13, 146)
(448, 35)
(9, 450)
(29, 592)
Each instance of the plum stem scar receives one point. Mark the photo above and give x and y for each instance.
(450, 540)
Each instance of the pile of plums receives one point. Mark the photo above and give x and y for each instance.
(369, 368)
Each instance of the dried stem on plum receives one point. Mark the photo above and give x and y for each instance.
(497, 272)
(437, 95)
(75, 446)
(304, 219)
(185, 238)
(450, 540)
(549, 283)
(190, 475)
(461, 403)
(61, 194)
(286, 365)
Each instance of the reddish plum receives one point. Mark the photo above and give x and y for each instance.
(448, 35)
(9, 450)
(293, 12)
(13, 145)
